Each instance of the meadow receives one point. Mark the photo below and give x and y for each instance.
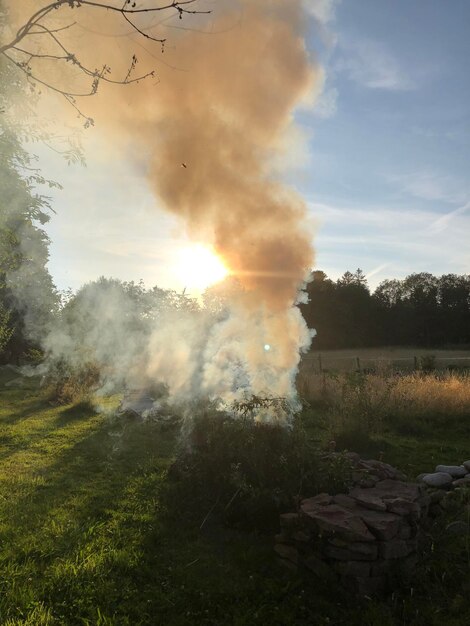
(383, 358)
(89, 534)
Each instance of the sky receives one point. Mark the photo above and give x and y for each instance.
(382, 159)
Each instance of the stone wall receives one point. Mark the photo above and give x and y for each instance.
(366, 540)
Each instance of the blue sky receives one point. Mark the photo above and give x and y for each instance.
(391, 148)
(384, 164)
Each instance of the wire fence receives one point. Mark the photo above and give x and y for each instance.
(326, 362)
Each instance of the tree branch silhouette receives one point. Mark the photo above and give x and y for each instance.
(18, 52)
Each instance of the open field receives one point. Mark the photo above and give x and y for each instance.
(88, 539)
(384, 357)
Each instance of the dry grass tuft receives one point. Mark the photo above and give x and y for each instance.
(407, 402)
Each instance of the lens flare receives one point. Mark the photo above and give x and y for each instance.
(199, 267)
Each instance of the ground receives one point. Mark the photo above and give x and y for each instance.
(85, 537)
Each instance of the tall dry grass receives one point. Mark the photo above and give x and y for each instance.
(408, 402)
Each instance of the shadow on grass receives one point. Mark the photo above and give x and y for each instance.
(28, 411)
(90, 476)
(81, 410)
(360, 441)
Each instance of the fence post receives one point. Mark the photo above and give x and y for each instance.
(415, 362)
(320, 363)
(358, 363)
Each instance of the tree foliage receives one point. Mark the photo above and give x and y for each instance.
(27, 292)
(421, 309)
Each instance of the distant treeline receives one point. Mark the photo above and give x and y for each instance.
(420, 310)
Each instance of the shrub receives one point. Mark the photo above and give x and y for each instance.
(245, 472)
(427, 363)
(68, 384)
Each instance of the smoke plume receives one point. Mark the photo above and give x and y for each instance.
(210, 127)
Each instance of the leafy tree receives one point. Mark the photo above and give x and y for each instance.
(454, 307)
(321, 311)
(28, 297)
(421, 309)
(420, 296)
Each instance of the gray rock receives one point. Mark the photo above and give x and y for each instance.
(384, 526)
(344, 501)
(390, 489)
(322, 499)
(353, 457)
(333, 519)
(383, 470)
(436, 496)
(289, 520)
(397, 549)
(458, 528)
(320, 569)
(456, 471)
(355, 551)
(421, 476)
(405, 532)
(466, 464)
(368, 499)
(289, 553)
(301, 536)
(438, 479)
(462, 482)
(404, 507)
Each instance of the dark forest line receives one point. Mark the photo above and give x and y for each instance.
(420, 310)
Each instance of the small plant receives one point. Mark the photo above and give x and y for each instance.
(427, 363)
(34, 356)
(264, 408)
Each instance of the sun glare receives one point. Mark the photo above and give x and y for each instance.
(199, 267)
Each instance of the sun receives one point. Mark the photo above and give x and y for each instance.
(199, 267)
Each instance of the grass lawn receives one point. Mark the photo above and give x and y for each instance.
(86, 539)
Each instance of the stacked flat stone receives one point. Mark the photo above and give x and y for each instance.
(366, 539)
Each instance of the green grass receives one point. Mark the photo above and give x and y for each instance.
(87, 537)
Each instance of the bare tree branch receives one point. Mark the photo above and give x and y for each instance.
(19, 54)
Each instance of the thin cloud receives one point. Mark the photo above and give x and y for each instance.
(377, 270)
(375, 236)
(371, 65)
(439, 225)
(432, 186)
(324, 11)
(326, 105)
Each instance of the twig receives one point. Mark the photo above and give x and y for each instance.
(232, 498)
(209, 513)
